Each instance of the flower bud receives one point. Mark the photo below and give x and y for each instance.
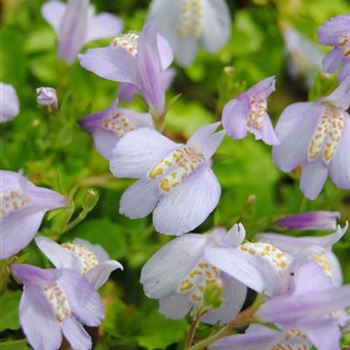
(47, 97)
(90, 199)
(313, 220)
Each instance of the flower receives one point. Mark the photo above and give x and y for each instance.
(76, 25)
(89, 260)
(179, 273)
(189, 24)
(309, 306)
(304, 57)
(56, 301)
(306, 314)
(176, 181)
(336, 32)
(110, 125)
(316, 136)
(47, 97)
(139, 60)
(304, 246)
(9, 103)
(312, 220)
(247, 112)
(258, 337)
(22, 209)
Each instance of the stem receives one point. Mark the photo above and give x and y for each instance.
(192, 332)
(240, 320)
(303, 204)
(82, 215)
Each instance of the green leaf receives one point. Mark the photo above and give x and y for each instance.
(14, 345)
(157, 332)
(9, 303)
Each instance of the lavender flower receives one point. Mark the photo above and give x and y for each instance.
(247, 113)
(47, 97)
(89, 260)
(305, 247)
(336, 32)
(22, 209)
(179, 273)
(76, 25)
(110, 125)
(304, 57)
(139, 60)
(262, 338)
(309, 306)
(316, 136)
(9, 103)
(176, 180)
(188, 24)
(57, 301)
(313, 220)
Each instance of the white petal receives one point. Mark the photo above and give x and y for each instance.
(175, 307)
(138, 151)
(167, 268)
(188, 205)
(53, 12)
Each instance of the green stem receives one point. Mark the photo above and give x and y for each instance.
(242, 319)
(303, 204)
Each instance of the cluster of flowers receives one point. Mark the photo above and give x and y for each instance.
(300, 277)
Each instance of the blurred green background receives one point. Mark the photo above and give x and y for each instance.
(53, 151)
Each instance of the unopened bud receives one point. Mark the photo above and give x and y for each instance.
(251, 199)
(47, 97)
(90, 199)
(229, 70)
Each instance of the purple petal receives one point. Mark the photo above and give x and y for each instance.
(312, 179)
(166, 54)
(234, 295)
(102, 26)
(310, 277)
(100, 253)
(293, 245)
(332, 60)
(18, 229)
(138, 151)
(168, 76)
(261, 338)
(149, 69)
(76, 335)
(235, 235)
(175, 307)
(216, 25)
(344, 72)
(340, 97)
(188, 205)
(167, 268)
(98, 275)
(139, 199)
(139, 120)
(340, 166)
(236, 264)
(9, 103)
(127, 91)
(325, 335)
(72, 29)
(110, 63)
(305, 308)
(53, 12)
(105, 141)
(263, 89)
(28, 274)
(297, 123)
(59, 256)
(206, 140)
(83, 299)
(312, 220)
(267, 133)
(333, 29)
(38, 320)
(234, 118)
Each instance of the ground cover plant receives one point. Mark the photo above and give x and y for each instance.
(175, 174)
